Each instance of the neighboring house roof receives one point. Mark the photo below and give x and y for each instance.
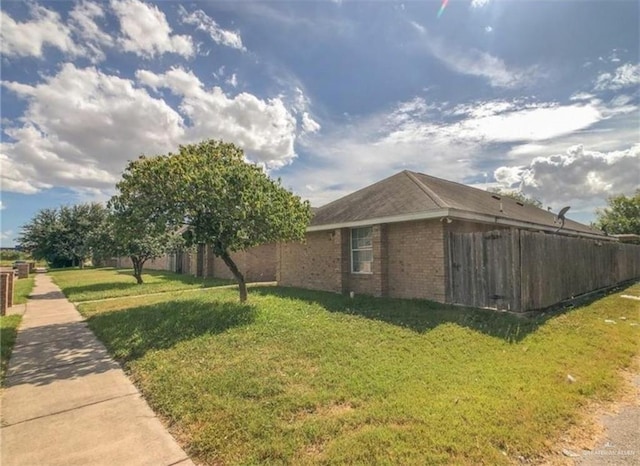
(412, 196)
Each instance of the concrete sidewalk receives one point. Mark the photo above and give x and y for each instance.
(66, 402)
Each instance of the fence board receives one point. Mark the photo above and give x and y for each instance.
(522, 270)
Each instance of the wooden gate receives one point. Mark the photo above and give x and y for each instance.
(484, 269)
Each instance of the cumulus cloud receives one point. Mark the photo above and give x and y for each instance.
(24, 39)
(146, 31)
(81, 126)
(79, 129)
(83, 20)
(264, 128)
(207, 24)
(627, 75)
(577, 174)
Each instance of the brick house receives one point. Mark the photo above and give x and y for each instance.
(392, 238)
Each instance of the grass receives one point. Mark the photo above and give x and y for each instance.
(91, 284)
(22, 290)
(9, 324)
(8, 331)
(302, 377)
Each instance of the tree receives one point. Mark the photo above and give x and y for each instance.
(130, 231)
(518, 196)
(63, 236)
(223, 200)
(621, 216)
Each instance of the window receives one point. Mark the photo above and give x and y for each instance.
(361, 250)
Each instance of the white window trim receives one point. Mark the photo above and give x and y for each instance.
(351, 250)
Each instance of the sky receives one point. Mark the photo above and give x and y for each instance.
(328, 96)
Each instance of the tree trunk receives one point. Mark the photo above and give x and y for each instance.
(137, 268)
(242, 286)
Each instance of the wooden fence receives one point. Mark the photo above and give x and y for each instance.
(522, 270)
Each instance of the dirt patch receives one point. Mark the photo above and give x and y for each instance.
(331, 410)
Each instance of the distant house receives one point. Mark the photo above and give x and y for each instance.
(417, 236)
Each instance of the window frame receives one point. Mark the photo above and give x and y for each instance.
(353, 250)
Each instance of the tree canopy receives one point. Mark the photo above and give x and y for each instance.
(223, 200)
(621, 216)
(131, 231)
(63, 236)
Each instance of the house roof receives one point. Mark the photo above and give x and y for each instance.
(410, 196)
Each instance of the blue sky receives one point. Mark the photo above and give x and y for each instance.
(330, 96)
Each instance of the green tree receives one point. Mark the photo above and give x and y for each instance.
(223, 200)
(518, 196)
(621, 216)
(129, 231)
(63, 236)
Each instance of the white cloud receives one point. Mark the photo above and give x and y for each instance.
(83, 23)
(624, 76)
(6, 237)
(29, 38)
(475, 62)
(80, 128)
(146, 31)
(309, 125)
(478, 3)
(233, 80)
(582, 96)
(578, 175)
(207, 24)
(529, 124)
(264, 128)
(2, 206)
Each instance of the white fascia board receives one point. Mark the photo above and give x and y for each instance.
(376, 221)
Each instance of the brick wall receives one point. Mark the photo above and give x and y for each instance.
(161, 263)
(316, 264)
(375, 283)
(416, 260)
(408, 262)
(257, 264)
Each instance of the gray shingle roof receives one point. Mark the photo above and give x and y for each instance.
(407, 193)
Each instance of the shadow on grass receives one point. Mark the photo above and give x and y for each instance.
(160, 278)
(418, 315)
(131, 333)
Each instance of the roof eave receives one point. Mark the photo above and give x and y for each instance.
(459, 215)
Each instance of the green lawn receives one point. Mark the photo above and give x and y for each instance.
(8, 331)
(22, 289)
(301, 377)
(89, 284)
(9, 324)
